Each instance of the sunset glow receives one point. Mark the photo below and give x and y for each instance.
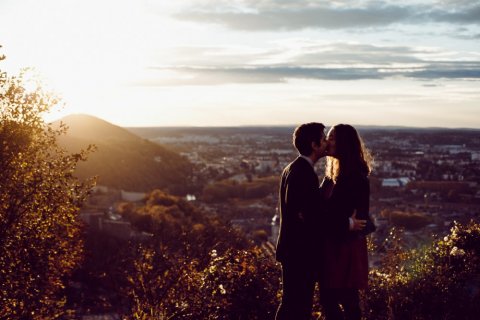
(213, 62)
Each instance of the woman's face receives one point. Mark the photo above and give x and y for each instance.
(331, 146)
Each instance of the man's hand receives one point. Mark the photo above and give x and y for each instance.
(355, 224)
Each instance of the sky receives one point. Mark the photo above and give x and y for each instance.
(252, 62)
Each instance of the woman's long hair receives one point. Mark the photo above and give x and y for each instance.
(351, 155)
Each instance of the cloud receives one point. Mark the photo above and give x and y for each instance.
(218, 55)
(312, 60)
(355, 54)
(466, 15)
(276, 74)
(295, 15)
(449, 72)
(326, 18)
(301, 53)
(266, 74)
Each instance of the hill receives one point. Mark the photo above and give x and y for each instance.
(123, 160)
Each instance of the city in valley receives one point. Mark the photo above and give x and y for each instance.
(423, 179)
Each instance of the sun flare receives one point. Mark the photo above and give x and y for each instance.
(215, 62)
(83, 54)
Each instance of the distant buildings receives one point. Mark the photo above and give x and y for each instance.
(395, 182)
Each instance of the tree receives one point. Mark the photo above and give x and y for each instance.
(40, 236)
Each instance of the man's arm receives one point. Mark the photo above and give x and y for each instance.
(356, 224)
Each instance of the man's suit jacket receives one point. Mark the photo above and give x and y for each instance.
(302, 214)
(299, 198)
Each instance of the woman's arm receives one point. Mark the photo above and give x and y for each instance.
(362, 204)
(362, 197)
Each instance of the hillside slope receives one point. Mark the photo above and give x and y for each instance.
(124, 160)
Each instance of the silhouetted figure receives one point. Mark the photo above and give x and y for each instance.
(345, 267)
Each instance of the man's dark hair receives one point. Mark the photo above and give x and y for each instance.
(305, 134)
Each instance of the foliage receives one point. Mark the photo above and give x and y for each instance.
(238, 284)
(407, 220)
(40, 240)
(182, 228)
(195, 267)
(227, 189)
(441, 281)
(165, 271)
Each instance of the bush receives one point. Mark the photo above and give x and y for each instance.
(239, 284)
(409, 220)
(441, 281)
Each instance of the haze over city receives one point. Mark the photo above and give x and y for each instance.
(228, 63)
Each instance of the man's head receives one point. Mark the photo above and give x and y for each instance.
(309, 140)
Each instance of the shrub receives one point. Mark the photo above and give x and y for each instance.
(441, 281)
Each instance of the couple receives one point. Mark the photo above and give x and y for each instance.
(323, 228)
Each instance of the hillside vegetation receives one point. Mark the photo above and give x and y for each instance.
(190, 265)
(123, 160)
(194, 266)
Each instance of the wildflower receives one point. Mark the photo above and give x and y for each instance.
(457, 252)
(222, 289)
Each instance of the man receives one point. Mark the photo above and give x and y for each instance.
(300, 215)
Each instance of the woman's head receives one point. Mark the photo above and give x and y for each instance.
(346, 152)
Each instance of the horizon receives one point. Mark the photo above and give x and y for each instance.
(215, 63)
(327, 125)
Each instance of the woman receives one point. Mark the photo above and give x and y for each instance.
(345, 267)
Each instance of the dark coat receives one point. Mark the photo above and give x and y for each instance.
(346, 257)
(301, 213)
(298, 194)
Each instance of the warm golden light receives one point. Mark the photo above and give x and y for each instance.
(149, 63)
